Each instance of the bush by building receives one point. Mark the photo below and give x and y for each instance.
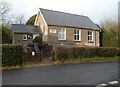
(6, 35)
(37, 39)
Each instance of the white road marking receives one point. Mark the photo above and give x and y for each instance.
(101, 85)
(113, 82)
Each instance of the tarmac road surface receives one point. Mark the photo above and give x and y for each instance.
(64, 74)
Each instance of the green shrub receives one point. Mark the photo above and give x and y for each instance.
(12, 55)
(107, 52)
(64, 52)
(37, 39)
(6, 35)
(77, 52)
(118, 53)
(31, 20)
(0, 55)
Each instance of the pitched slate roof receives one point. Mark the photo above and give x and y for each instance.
(67, 19)
(20, 28)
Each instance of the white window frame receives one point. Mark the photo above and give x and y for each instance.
(75, 34)
(90, 36)
(61, 34)
(24, 35)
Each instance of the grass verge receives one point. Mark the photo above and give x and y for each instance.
(97, 59)
(76, 60)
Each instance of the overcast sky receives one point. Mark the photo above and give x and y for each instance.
(94, 9)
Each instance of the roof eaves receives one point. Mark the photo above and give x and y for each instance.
(72, 27)
(43, 17)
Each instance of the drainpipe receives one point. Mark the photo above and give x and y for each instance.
(94, 38)
(13, 39)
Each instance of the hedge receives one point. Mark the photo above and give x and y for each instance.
(12, 55)
(65, 52)
(37, 39)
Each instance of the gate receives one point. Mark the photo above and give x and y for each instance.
(40, 53)
(46, 53)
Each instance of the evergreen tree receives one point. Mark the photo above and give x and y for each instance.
(31, 20)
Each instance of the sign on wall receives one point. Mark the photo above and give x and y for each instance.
(33, 53)
(53, 30)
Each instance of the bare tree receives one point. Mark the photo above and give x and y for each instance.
(109, 23)
(4, 9)
(19, 19)
(109, 34)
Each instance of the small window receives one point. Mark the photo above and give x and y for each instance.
(29, 36)
(24, 36)
(90, 36)
(77, 35)
(62, 34)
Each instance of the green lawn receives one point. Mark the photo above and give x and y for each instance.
(92, 59)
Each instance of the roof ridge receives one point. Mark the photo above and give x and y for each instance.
(25, 25)
(67, 19)
(63, 12)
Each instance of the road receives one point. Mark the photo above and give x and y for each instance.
(65, 74)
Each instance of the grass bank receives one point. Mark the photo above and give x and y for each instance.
(97, 59)
(76, 60)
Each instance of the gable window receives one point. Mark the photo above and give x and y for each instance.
(77, 35)
(62, 34)
(90, 35)
(29, 36)
(24, 36)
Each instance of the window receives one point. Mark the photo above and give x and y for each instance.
(62, 34)
(77, 35)
(29, 36)
(90, 36)
(24, 36)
